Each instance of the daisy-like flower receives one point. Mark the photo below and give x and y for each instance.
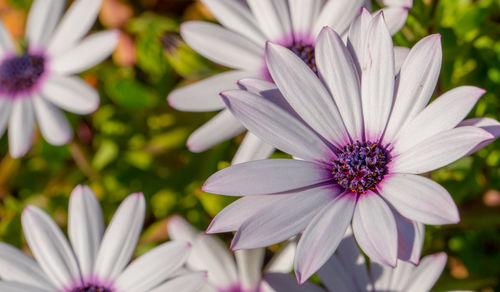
(347, 270)
(224, 275)
(96, 261)
(361, 137)
(36, 77)
(240, 45)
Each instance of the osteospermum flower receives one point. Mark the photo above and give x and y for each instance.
(35, 78)
(361, 136)
(240, 44)
(224, 275)
(347, 270)
(96, 261)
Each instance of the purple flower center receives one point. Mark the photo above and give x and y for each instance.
(20, 73)
(360, 166)
(91, 288)
(306, 53)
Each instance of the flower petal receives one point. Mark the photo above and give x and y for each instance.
(420, 199)
(20, 287)
(273, 18)
(306, 93)
(416, 82)
(283, 220)
(6, 43)
(71, 94)
(16, 266)
(282, 261)
(42, 20)
(52, 122)
(5, 110)
(266, 177)
(252, 148)
(179, 229)
(358, 35)
(304, 13)
(490, 125)
(154, 267)
(220, 128)
(395, 18)
(400, 54)
(338, 71)
(88, 53)
(410, 238)
(286, 282)
(222, 46)
(120, 238)
(85, 227)
(204, 95)
(21, 124)
(427, 273)
(276, 126)
(249, 267)
(440, 150)
(192, 282)
(338, 15)
(375, 229)
(323, 235)
(76, 23)
(237, 17)
(50, 248)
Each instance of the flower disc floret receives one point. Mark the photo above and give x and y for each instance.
(360, 166)
(306, 53)
(21, 73)
(91, 288)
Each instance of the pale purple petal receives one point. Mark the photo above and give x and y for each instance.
(282, 261)
(287, 283)
(273, 18)
(427, 273)
(71, 94)
(179, 229)
(400, 54)
(358, 34)
(338, 15)
(252, 148)
(395, 18)
(222, 46)
(488, 124)
(192, 282)
(397, 3)
(266, 177)
(42, 20)
(21, 125)
(440, 150)
(322, 235)
(304, 13)
(52, 122)
(410, 238)
(249, 267)
(375, 229)
(20, 287)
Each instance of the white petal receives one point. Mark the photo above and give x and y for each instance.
(222, 46)
(85, 227)
(249, 267)
(192, 282)
(237, 17)
(375, 229)
(446, 112)
(357, 37)
(410, 238)
(488, 124)
(400, 54)
(16, 266)
(154, 267)
(322, 236)
(121, 237)
(71, 94)
(86, 54)
(20, 287)
(420, 199)
(179, 229)
(397, 3)
(338, 71)
(377, 78)
(42, 20)
(204, 95)
(400, 276)
(283, 220)
(50, 248)
(52, 122)
(338, 15)
(220, 128)
(286, 282)
(75, 24)
(427, 273)
(416, 82)
(21, 123)
(306, 93)
(266, 177)
(395, 18)
(440, 150)
(5, 108)
(273, 18)
(276, 126)
(252, 148)
(304, 13)
(282, 261)
(6, 43)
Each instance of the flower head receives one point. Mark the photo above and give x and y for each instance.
(35, 80)
(362, 137)
(96, 260)
(240, 44)
(224, 275)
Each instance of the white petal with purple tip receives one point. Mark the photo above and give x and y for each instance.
(71, 94)
(52, 122)
(427, 273)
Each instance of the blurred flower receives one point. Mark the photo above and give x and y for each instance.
(239, 44)
(347, 270)
(36, 79)
(210, 254)
(115, 13)
(95, 260)
(125, 53)
(362, 137)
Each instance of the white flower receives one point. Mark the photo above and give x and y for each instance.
(224, 275)
(35, 81)
(240, 44)
(96, 261)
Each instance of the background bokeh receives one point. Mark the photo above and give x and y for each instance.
(135, 141)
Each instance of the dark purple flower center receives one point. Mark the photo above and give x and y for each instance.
(306, 53)
(360, 166)
(91, 288)
(20, 73)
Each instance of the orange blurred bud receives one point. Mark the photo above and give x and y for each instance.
(125, 54)
(115, 13)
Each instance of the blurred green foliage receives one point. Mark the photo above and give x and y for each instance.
(135, 141)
